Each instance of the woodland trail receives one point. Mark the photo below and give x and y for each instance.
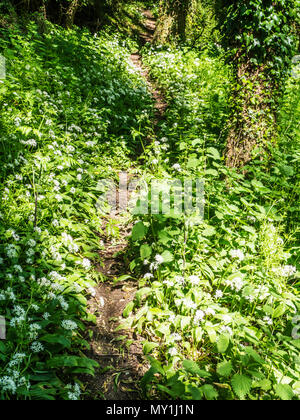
(119, 353)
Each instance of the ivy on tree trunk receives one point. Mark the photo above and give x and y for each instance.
(258, 37)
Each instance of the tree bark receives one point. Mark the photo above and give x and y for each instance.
(173, 20)
(253, 127)
(71, 12)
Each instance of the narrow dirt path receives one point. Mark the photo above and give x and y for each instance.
(119, 353)
(160, 103)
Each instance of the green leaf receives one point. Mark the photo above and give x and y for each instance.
(145, 291)
(122, 278)
(251, 352)
(145, 251)
(212, 172)
(148, 347)
(147, 378)
(209, 231)
(211, 334)
(214, 153)
(279, 311)
(241, 385)
(129, 308)
(210, 392)
(71, 361)
(197, 334)
(264, 384)
(139, 231)
(284, 392)
(224, 369)
(167, 256)
(194, 369)
(56, 339)
(223, 343)
(156, 365)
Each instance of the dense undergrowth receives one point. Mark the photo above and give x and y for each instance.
(69, 104)
(219, 296)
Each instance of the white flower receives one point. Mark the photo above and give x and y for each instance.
(227, 319)
(36, 347)
(74, 393)
(210, 311)
(175, 337)
(194, 280)
(173, 352)
(8, 384)
(189, 304)
(219, 294)
(288, 271)
(268, 320)
(169, 283)
(159, 259)
(199, 316)
(31, 243)
(177, 167)
(237, 253)
(226, 330)
(86, 264)
(179, 280)
(148, 276)
(69, 325)
(236, 284)
(92, 291)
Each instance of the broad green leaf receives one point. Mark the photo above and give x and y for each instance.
(56, 339)
(167, 256)
(284, 392)
(214, 153)
(145, 251)
(139, 231)
(148, 347)
(210, 392)
(241, 385)
(223, 343)
(192, 367)
(279, 311)
(224, 369)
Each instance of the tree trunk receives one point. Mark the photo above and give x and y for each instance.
(253, 124)
(181, 13)
(173, 20)
(71, 12)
